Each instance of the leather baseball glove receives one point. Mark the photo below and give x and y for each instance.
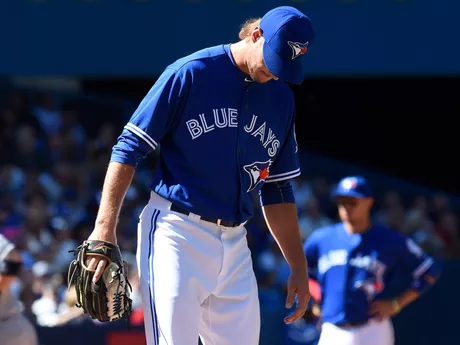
(109, 299)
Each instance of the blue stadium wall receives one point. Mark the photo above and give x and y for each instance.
(140, 37)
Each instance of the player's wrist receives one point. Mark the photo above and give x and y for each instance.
(396, 305)
(103, 234)
(298, 268)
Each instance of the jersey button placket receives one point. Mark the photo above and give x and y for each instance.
(241, 134)
(240, 143)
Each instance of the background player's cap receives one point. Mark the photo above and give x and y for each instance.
(353, 186)
(288, 34)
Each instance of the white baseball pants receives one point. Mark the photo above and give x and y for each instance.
(373, 333)
(196, 280)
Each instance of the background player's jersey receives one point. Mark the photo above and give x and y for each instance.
(353, 269)
(9, 305)
(221, 135)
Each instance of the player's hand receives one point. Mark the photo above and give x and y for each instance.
(382, 309)
(95, 262)
(297, 291)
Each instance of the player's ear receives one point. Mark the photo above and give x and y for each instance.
(256, 34)
(370, 202)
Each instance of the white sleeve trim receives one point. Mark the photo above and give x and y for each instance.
(283, 176)
(140, 133)
(424, 266)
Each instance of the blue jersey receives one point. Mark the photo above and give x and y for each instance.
(221, 136)
(353, 269)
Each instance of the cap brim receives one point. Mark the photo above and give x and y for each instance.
(286, 70)
(350, 194)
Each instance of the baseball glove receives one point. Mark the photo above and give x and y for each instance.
(109, 299)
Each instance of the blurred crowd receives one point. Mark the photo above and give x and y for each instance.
(51, 174)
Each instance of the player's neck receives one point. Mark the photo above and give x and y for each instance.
(357, 227)
(239, 53)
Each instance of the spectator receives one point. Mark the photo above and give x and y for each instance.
(439, 205)
(29, 153)
(321, 190)
(302, 192)
(392, 212)
(47, 114)
(447, 229)
(312, 218)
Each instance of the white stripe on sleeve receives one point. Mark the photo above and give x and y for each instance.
(283, 176)
(422, 268)
(140, 133)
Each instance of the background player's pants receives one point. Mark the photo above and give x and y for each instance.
(17, 330)
(196, 278)
(373, 333)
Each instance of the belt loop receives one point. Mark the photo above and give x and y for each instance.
(219, 221)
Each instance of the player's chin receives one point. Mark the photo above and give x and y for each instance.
(262, 80)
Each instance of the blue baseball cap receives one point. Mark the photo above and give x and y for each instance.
(288, 33)
(354, 187)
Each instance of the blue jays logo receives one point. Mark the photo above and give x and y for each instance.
(370, 287)
(350, 183)
(298, 48)
(258, 172)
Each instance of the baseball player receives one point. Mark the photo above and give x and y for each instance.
(352, 261)
(15, 329)
(224, 118)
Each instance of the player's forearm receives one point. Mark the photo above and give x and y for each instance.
(426, 274)
(117, 181)
(283, 223)
(407, 297)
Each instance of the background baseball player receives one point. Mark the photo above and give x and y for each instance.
(352, 261)
(225, 121)
(15, 329)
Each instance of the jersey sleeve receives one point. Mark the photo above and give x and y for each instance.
(154, 116)
(416, 262)
(286, 165)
